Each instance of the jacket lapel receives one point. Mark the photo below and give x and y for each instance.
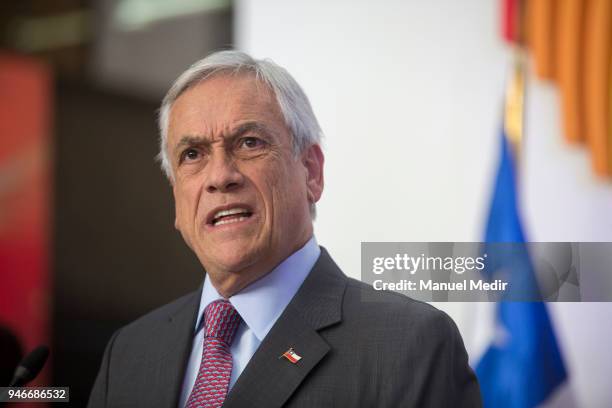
(174, 346)
(269, 380)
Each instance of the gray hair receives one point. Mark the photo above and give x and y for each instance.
(291, 99)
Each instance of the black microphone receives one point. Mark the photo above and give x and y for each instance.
(30, 366)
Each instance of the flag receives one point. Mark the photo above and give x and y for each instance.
(523, 365)
(570, 42)
(291, 356)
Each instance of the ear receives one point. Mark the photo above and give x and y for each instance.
(313, 160)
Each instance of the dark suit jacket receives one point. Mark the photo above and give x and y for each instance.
(359, 348)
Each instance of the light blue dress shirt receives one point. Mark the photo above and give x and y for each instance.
(260, 304)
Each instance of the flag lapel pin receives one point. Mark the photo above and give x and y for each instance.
(291, 356)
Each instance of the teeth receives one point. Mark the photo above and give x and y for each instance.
(229, 212)
(231, 220)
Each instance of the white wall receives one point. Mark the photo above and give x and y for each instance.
(409, 95)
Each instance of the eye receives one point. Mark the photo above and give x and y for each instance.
(190, 155)
(251, 143)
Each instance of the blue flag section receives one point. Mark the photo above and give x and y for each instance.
(523, 365)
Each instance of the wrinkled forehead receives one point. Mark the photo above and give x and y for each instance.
(219, 102)
(227, 91)
(239, 85)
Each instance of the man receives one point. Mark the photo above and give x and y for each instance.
(275, 323)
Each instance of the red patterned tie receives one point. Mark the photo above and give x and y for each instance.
(221, 321)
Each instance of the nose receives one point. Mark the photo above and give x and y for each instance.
(223, 176)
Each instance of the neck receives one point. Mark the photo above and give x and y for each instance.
(229, 282)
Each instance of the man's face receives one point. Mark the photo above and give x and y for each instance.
(242, 196)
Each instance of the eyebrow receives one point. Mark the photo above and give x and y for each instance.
(191, 140)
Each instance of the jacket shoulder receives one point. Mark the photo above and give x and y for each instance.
(393, 310)
(150, 322)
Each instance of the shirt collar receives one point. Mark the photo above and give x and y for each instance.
(262, 302)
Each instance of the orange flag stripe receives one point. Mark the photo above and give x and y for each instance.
(569, 68)
(540, 20)
(610, 113)
(597, 87)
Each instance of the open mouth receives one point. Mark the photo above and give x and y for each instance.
(230, 216)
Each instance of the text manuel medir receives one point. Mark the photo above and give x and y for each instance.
(430, 285)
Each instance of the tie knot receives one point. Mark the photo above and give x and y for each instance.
(221, 321)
